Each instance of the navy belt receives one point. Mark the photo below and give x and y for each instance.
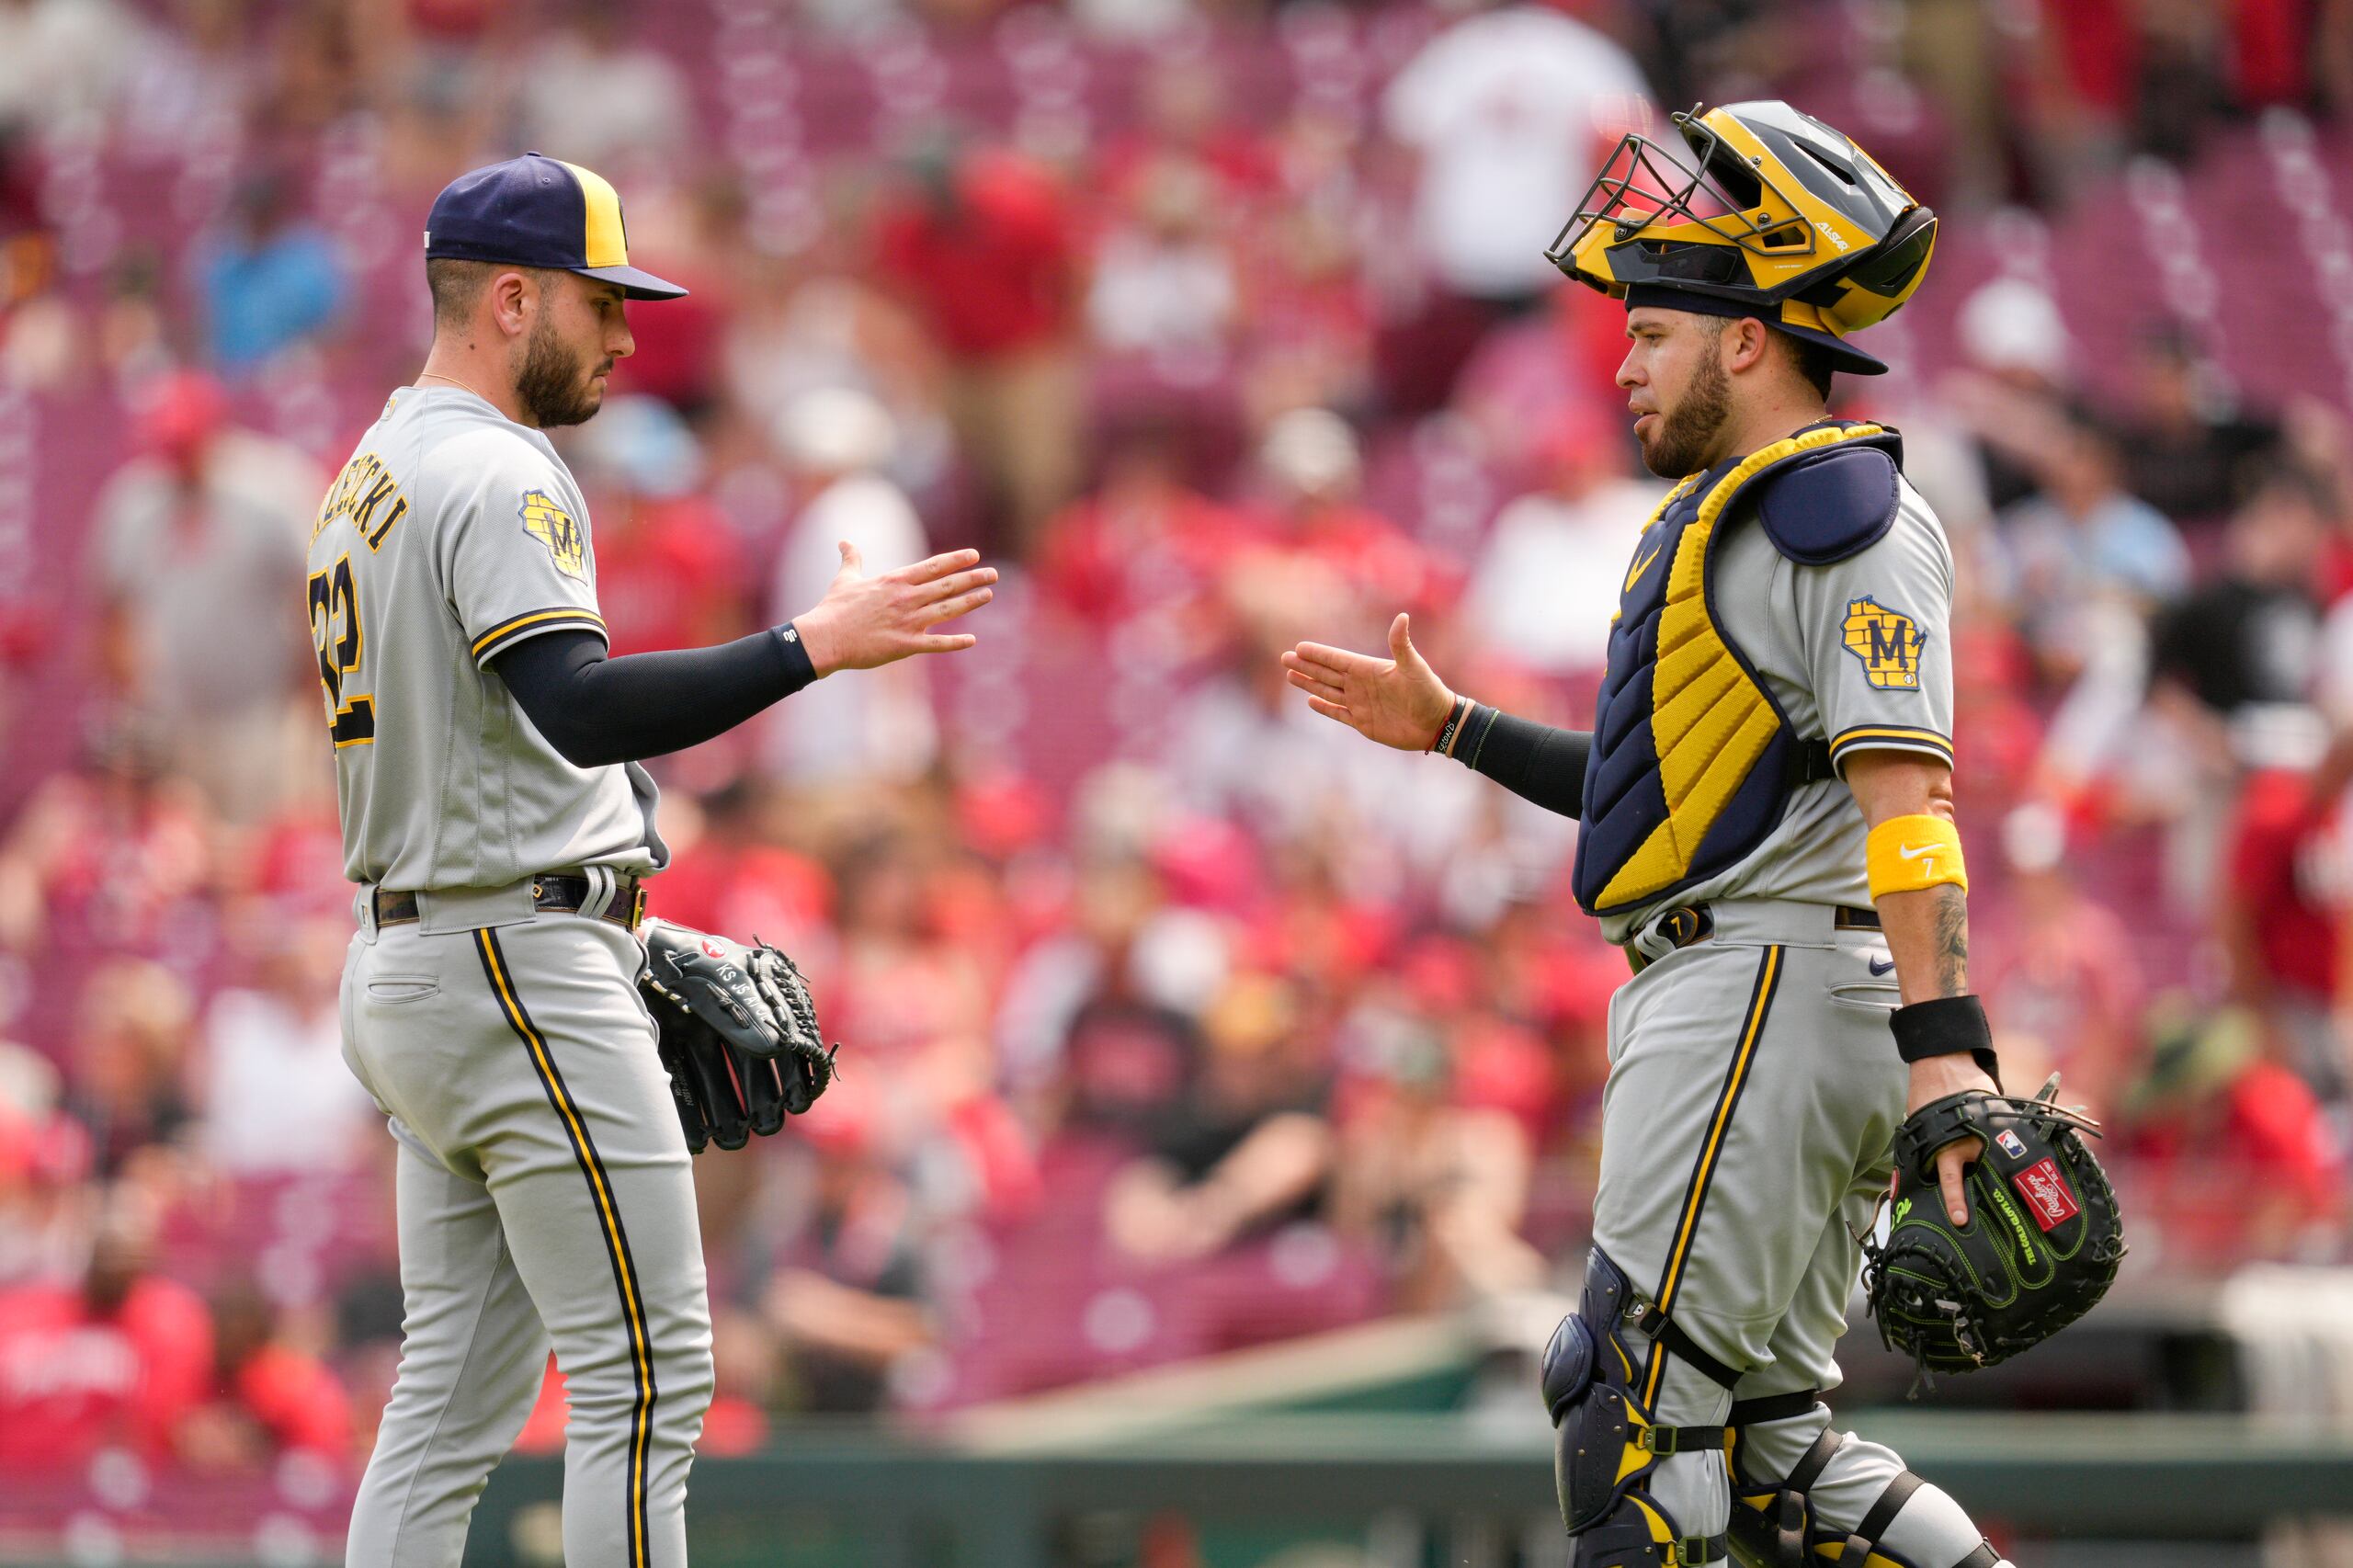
(1689, 923)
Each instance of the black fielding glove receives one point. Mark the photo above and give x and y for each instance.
(2042, 1246)
(739, 1034)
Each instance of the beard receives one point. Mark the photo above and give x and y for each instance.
(555, 386)
(1684, 438)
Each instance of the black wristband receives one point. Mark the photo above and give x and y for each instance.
(799, 670)
(1945, 1026)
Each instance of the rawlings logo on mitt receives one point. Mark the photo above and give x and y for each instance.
(739, 1034)
(2040, 1248)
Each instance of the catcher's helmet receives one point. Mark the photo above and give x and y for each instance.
(1774, 215)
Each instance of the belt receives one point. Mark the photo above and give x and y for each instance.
(555, 895)
(1689, 923)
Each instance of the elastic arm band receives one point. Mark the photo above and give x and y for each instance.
(1907, 854)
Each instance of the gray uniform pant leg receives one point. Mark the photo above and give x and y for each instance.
(1754, 1090)
(546, 1195)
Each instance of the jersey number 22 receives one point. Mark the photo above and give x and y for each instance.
(334, 603)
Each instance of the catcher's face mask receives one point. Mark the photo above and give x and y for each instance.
(1763, 207)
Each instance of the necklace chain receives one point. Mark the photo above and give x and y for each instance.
(453, 380)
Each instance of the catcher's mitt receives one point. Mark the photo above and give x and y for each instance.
(2039, 1250)
(739, 1034)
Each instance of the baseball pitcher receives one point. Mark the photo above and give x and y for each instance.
(1767, 829)
(545, 1082)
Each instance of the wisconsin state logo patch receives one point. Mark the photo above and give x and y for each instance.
(554, 527)
(1887, 641)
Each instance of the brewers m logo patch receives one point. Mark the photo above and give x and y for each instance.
(1886, 641)
(553, 527)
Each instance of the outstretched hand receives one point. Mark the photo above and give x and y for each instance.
(1398, 700)
(866, 622)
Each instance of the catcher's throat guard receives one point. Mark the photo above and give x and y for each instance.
(2040, 1249)
(1607, 1445)
(1765, 208)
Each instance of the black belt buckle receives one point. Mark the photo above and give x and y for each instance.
(636, 905)
(1685, 925)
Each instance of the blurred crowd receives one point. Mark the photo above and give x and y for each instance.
(1177, 1018)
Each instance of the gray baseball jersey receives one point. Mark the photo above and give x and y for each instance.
(453, 534)
(1859, 652)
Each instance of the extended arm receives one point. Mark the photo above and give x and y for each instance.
(595, 710)
(1400, 702)
(1928, 936)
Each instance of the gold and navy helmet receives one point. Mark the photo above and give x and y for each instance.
(1771, 214)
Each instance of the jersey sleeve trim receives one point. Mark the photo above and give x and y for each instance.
(1888, 737)
(531, 623)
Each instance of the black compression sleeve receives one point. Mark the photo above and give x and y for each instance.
(596, 711)
(1533, 761)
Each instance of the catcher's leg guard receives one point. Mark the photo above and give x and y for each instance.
(1608, 1446)
(1828, 1479)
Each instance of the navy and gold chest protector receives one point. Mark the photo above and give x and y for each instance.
(1693, 760)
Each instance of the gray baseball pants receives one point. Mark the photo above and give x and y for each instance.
(1754, 1094)
(545, 1199)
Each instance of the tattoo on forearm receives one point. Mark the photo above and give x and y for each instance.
(1952, 941)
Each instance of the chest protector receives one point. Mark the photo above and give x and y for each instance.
(1693, 760)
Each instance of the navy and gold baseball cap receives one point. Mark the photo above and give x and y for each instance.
(540, 211)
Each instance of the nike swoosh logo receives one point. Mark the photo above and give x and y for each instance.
(1641, 566)
(1879, 968)
(1912, 852)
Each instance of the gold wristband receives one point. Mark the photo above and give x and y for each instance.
(1907, 854)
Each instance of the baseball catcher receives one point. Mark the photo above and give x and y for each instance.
(1766, 801)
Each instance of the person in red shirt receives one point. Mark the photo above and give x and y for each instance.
(668, 573)
(266, 1397)
(1312, 513)
(118, 1360)
(1146, 541)
(982, 248)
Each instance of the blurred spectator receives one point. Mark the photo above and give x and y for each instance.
(2013, 396)
(2188, 450)
(848, 1299)
(2249, 635)
(115, 1360)
(63, 62)
(837, 445)
(731, 874)
(2237, 1155)
(1545, 587)
(117, 847)
(274, 1091)
(198, 546)
(1163, 285)
(2085, 539)
(1145, 542)
(667, 575)
(268, 279)
(1508, 111)
(982, 247)
(1244, 1147)
(591, 97)
(1312, 513)
(265, 1397)
(2284, 890)
(901, 990)
(46, 1201)
(2062, 977)
(1438, 1186)
(125, 1080)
